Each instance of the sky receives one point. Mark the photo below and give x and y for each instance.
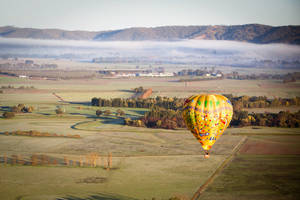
(98, 15)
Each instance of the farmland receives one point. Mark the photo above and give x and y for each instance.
(146, 163)
(267, 167)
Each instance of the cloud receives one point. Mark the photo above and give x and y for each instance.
(186, 50)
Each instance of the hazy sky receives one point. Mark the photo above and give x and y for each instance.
(116, 14)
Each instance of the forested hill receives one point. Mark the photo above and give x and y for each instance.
(255, 33)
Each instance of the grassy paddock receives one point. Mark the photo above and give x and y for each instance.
(135, 177)
(148, 162)
(257, 177)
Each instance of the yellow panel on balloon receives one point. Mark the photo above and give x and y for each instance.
(207, 116)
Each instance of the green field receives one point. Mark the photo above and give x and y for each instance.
(134, 177)
(257, 177)
(146, 163)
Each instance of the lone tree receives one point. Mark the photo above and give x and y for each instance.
(99, 112)
(59, 111)
(8, 115)
(120, 112)
(28, 109)
(138, 89)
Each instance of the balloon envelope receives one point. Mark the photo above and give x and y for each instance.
(207, 116)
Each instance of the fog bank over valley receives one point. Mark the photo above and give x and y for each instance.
(212, 52)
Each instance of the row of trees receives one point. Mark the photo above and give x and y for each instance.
(260, 101)
(89, 160)
(34, 133)
(176, 103)
(158, 117)
(198, 72)
(166, 112)
(22, 108)
(139, 89)
(20, 87)
(119, 112)
(281, 119)
(8, 115)
(289, 77)
(17, 109)
(170, 119)
(165, 102)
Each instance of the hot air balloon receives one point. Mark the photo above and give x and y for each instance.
(207, 116)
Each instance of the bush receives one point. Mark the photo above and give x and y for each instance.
(8, 115)
(99, 112)
(120, 112)
(59, 111)
(30, 109)
(16, 109)
(138, 89)
(22, 108)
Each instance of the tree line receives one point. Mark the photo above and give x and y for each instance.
(20, 108)
(176, 103)
(170, 119)
(22, 87)
(165, 112)
(88, 160)
(283, 119)
(165, 102)
(289, 77)
(34, 133)
(260, 101)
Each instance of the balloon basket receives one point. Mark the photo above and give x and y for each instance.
(206, 155)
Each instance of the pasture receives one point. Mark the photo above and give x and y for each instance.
(266, 167)
(146, 163)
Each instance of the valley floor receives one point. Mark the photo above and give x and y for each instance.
(146, 163)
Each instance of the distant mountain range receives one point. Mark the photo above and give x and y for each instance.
(254, 33)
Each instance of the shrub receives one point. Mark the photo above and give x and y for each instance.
(16, 109)
(28, 109)
(21, 106)
(59, 111)
(34, 160)
(99, 112)
(120, 112)
(138, 89)
(127, 121)
(8, 115)
(92, 159)
(66, 161)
